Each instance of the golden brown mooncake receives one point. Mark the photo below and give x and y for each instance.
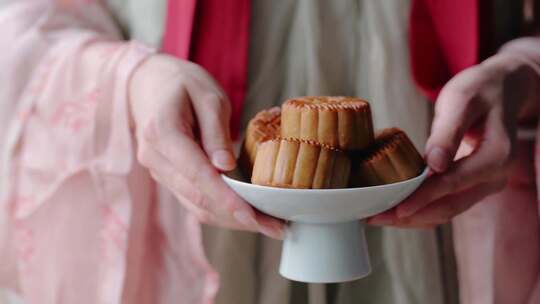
(341, 122)
(265, 125)
(393, 158)
(296, 163)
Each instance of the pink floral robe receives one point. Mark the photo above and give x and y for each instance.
(77, 222)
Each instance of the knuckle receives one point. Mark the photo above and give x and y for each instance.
(502, 152)
(231, 203)
(216, 99)
(462, 95)
(193, 67)
(463, 98)
(213, 99)
(181, 79)
(144, 156)
(184, 127)
(150, 131)
(204, 175)
(156, 130)
(195, 197)
(456, 94)
(204, 217)
(191, 175)
(199, 200)
(188, 191)
(221, 105)
(451, 182)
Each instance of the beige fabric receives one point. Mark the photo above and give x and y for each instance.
(307, 47)
(142, 20)
(339, 47)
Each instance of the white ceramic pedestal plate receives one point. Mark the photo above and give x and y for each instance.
(325, 240)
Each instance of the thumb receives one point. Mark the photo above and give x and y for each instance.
(455, 112)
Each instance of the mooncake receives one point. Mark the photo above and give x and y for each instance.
(297, 163)
(341, 122)
(265, 125)
(392, 158)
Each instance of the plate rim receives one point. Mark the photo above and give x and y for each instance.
(420, 177)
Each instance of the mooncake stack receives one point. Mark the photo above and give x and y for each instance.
(325, 142)
(298, 163)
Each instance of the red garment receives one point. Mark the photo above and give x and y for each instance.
(214, 34)
(446, 36)
(444, 39)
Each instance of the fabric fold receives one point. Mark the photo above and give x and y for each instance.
(78, 215)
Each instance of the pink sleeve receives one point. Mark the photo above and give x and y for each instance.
(68, 177)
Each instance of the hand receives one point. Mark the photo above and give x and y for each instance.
(477, 110)
(172, 102)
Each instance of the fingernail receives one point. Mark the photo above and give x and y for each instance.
(438, 159)
(276, 233)
(245, 218)
(223, 159)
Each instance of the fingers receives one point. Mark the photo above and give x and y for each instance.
(488, 163)
(163, 172)
(440, 211)
(188, 160)
(190, 173)
(170, 100)
(456, 110)
(179, 163)
(388, 217)
(473, 109)
(213, 112)
(189, 94)
(270, 226)
(443, 210)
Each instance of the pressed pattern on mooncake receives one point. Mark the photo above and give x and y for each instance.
(393, 158)
(341, 122)
(264, 126)
(296, 163)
